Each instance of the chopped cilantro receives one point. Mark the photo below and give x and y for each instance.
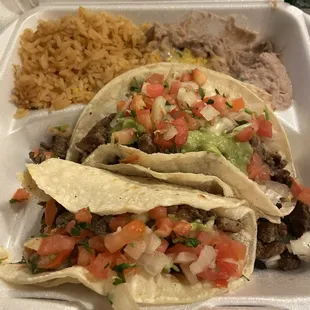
(248, 111)
(86, 246)
(133, 113)
(179, 53)
(190, 242)
(289, 183)
(201, 93)
(132, 244)
(228, 104)
(12, 200)
(217, 91)
(175, 268)
(245, 277)
(166, 85)
(210, 101)
(120, 272)
(135, 86)
(78, 227)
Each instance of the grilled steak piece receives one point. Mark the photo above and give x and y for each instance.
(268, 232)
(146, 144)
(229, 225)
(288, 261)
(268, 250)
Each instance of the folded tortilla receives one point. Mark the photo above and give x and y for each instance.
(75, 186)
(204, 162)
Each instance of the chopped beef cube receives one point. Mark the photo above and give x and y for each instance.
(269, 232)
(225, 224)
(206, 215)
(260, 264)
(298, 220)
(281, 175)
(188, 214)
(274, 161)
(100, 224)
(98, 135)
(64, 218)
(289, 261)
(60, 146)
(146, 144)
(268, 250)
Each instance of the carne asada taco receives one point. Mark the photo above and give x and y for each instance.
(217, 126)
(168, 243)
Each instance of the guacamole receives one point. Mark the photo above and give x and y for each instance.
(128, 122)
(238, 153)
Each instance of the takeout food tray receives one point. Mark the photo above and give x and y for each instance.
(282, 24)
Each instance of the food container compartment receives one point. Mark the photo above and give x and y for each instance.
(284, 26)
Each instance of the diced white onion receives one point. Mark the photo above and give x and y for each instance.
(143, 88)
(142, 217)
(3, 253)
(158, 109)
(153, 263)
(206, 258)
(153, 242)
(223, 124)
(188, 97)
(135, 248)
(185, 258)
(208, 112)
(272, 262)
(190, 84)
(301, 247)
(172, 132)
(281, 189)
(33, 243)
(191, 278)
(121, 298)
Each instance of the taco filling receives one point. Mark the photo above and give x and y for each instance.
(190, 243)
(180, 113)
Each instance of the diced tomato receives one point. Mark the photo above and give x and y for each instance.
(220, 283)
(119, 221)
(20, 195)
(264, 127)
(186, 77)
(199, 77)
(245, 135)
(191, 121)
(182, 128)
(56, 244)
(53, 260)
(83, 216)
(174, 88)
(220, 104)
(69, 226)
(156, 78)
(125, 136)
(130, 232)
(163, 126)
(120, 106)
(296, 188)
(50, 212)
(206, 237)
(97, 243)
(158, 213)
(198, 106)
(101, 266)
(213, 275)
(163, 246)
(162, 143)
(148, 102)
(256, 170)
(144, 119)
(164, 227)
(237, 104)
(129, 159)
(137, 103)
(178, 248)
(58, 231)
(182, 228)
(154, 90)
(304, 196)
(85, 256)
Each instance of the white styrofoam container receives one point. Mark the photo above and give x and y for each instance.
(283, 25)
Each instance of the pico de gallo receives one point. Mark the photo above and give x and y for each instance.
(177, 239)
(180, 113)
